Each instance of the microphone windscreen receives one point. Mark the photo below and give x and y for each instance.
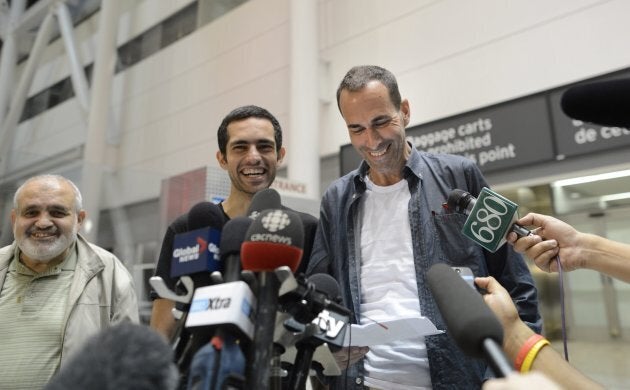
(458, 201)
(468, 319)
(264, 200)
(327, 285)
(205, 214)
(125, 356)
(233, 235)
(274, 239)
(605, 103)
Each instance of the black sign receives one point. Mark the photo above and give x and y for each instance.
(497, 137)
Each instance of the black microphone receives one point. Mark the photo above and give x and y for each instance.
(274, 239)
(469, 320)
(197, 250)
(605, 103)
(315, 334)
(125, 356)
(490, 218)
(264, 200)
(194, 252)
(232, 238)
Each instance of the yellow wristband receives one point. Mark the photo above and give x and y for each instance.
(531, 355)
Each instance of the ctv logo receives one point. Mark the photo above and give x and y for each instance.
(329, 324)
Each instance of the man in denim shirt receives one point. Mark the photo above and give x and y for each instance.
(382, 226)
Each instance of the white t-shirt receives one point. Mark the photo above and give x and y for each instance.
(388, 287)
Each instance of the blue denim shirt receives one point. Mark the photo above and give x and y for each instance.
(437, 237)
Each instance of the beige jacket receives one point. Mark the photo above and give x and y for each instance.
(102, 293)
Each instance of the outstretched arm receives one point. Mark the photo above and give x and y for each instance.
(547, 361)
(576, 250)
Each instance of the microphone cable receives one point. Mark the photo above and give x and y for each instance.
(562, 309)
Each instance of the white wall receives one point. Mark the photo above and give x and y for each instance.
(454, 56)
(449, 56)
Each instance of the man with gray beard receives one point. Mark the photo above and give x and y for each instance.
(56, 289)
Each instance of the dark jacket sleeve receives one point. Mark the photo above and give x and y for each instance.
(319, 261)
(310, 227)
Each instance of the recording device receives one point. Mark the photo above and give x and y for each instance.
(601, 102)
(490, 217)
(125, 356)
(274, 239)
(469, 321)
(466, 274)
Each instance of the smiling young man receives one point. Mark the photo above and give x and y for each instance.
(381, 228)
(250, 151)
(56, 289)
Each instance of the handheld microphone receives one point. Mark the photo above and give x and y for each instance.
(469, 320)
(274, 239)
(602, 102)
(266, 199)
(125, 356)
(197, 250)
(490, 218)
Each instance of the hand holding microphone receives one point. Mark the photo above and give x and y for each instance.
(517, 335)
(490, 218)
(470, 322)
(555, 239)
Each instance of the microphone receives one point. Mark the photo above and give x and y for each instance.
(490, 218)
(194, 257)
(227, 309)
(125, 356)
(469, 320)
(197, 250)
(195, 254)
(274, 239)
(264, 200)
(325, 328)
(232, 238)
(310, 297)
(601, 102)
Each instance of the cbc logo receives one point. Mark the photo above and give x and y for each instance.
(275, 220)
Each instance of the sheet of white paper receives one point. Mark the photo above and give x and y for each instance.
(399, 329)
